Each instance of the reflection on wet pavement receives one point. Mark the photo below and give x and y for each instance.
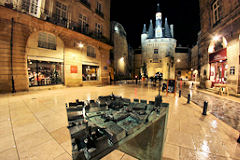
(224, 109)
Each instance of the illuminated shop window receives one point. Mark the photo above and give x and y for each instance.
(90, 73)
(232, 70)
(42, 73)
(46, 40)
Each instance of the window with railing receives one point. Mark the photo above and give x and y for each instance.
(83, 22)
(86, 3)
(98, 29)
(47, 41)
(61, 13)
(91, 52)
(99, 9)
(216, 11)
(31, 6)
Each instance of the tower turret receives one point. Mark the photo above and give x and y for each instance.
(150, 30)
(144, 34)
(167, 32)
(158, 29)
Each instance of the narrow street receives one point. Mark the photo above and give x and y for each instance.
(220, 106)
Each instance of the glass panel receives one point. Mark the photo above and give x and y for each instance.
(43, 73)
(90, 73)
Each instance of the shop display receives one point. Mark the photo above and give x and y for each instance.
(110, 122)
(41, 73)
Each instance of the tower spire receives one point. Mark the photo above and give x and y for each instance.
(150, 30)
(144, 29)
(167, 32)
(158, 8)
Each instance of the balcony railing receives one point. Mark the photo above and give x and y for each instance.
(99, 13)
(85, 3)
(64, 22)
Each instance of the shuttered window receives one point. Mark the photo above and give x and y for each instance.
(46, 40)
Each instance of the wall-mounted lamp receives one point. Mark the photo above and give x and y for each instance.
(216, 38)
(80, 45)
(178, 60)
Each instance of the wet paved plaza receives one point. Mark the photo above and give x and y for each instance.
(221, 107)
(33, 125)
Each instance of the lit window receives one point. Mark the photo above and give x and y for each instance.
(216, 11)
(232, 70)
(31, 6)
(91, 52)
(83, 21)
(47, 41)
(90, 73)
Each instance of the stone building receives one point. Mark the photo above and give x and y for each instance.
(120, 50)
(158, 48)
(195, 63)
(182, 61)
(49, 42)
(219, 43)
(137, 61)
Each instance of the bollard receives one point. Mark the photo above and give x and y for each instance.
(180, 93)
(238, 138)
(205, 108)
(188, 99)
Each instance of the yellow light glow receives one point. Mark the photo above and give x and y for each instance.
(178, 60)
(122, 59)
(216, 38)
(80, 45)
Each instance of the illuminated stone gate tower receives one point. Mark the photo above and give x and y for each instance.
(158, 48)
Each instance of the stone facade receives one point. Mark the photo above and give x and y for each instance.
(182, 62)
(158, 48)
(26, 34)
(220, 26)
(120, 50)
(195, 62)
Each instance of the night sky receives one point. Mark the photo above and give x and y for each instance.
(132, 14)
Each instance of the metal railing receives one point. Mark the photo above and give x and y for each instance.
(61, 21)
(86, 3)
(99, 13)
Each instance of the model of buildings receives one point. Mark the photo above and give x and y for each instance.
(158, 48)
(98, 127)
(54, 42)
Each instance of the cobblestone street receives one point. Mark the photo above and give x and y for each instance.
(221, 107)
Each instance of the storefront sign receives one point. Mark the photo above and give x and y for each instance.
(74, 69)
(217, 56)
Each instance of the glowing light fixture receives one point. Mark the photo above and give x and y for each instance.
(178, 60)
(122, 59)
(80, 45)
(216, 38)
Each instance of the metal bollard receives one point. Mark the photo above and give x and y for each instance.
(238, 138)
(180, 93)
(205, 108)
(188, 99)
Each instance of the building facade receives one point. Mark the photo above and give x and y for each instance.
(182, 63)
(158, 48)
(219, 43)
(195, 63)
(120, 50)
(49, 42)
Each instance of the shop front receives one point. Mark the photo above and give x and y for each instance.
(42, 73)
(218, 66)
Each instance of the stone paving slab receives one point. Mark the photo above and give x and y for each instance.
(189, 134)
